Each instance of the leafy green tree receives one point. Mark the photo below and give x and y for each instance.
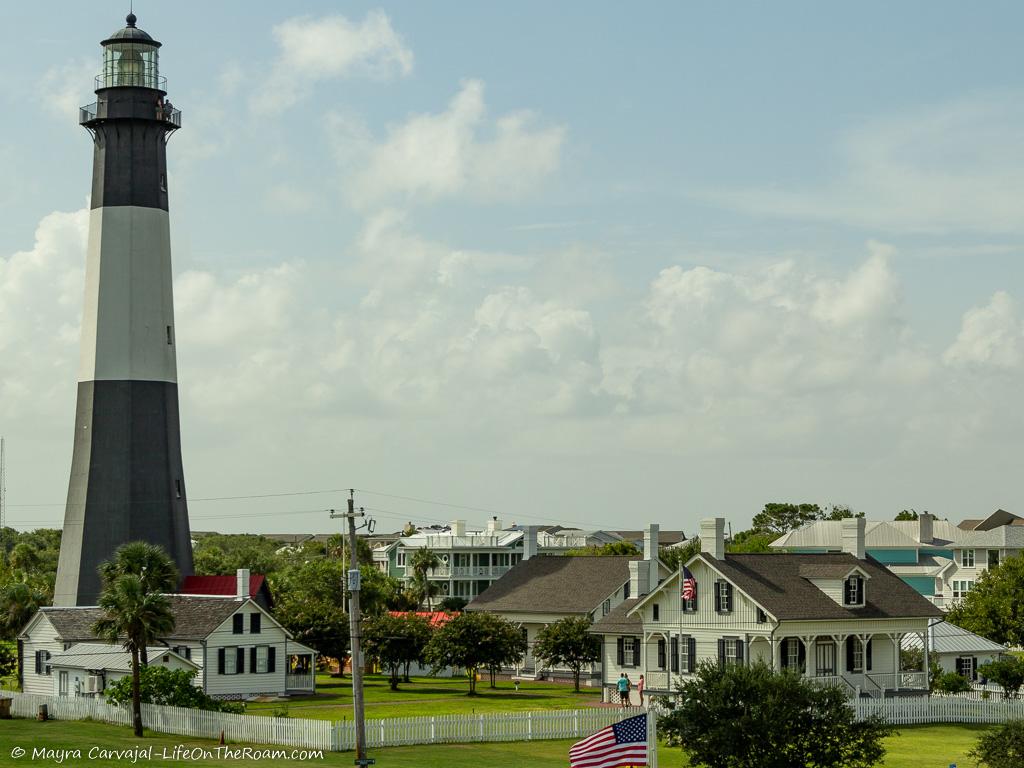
(1001, 747)
(907, 514)
(612, 548)
(159, 685)
(337, 546)
(475, 641)
(750, 541)
(740, 716)
(395, 642)
(675, 557)
(378, 590)
(321, 625)
(135, 618)
(993, 608)
(453, 604)
(223, 554)
(568, 642)
(779, 518)
(1007, 673)
(8, 660)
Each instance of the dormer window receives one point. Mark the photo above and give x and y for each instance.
(967, 558)
(853, 591)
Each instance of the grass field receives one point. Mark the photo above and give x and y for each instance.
(932, 746)
(427, 696)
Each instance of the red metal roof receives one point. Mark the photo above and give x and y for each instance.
(219, 585)
(434, 618)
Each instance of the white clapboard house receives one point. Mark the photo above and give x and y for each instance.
(838, 617)
(237, 647)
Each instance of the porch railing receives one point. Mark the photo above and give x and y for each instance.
(298, 681)
(657, 680)
(834, 681)
(899, 681)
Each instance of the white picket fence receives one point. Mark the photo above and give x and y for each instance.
(495, 726)
(457, 729)
(912, 710)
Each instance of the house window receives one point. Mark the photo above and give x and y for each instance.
(237, 624)
(967, 558)
(684, 655)
(656, 611)
(732, 651)
(625, 591)
(662, 661)
(762, 617)
(606, 607)
(856, 655)
(967, 666)
(793, 653)
(961, 587)
(400, 559)
(254, 622)
(261, 659)
(825, 659)
(42, 663)
(723, 597)
(230, 659)
(993, 558)
(183, 650)
(629, 650)
(62, 689)
(853, 591)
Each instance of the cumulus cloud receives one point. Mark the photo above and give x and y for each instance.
(311, 50)
(454, 152)
(992, 336)
(61, 88)
(944, 168)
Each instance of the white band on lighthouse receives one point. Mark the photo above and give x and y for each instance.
(128, 320)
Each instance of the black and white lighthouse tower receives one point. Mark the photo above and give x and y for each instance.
(126, 472)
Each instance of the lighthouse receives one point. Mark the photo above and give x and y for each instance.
(126, 481)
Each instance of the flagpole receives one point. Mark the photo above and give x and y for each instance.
(652, 740)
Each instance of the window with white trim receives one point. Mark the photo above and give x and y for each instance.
(853, 591)
(858, 655)
(684, 654)
(628, 649)
(961, 587)
(793, 654)
(261, 658)
(731, 651)
(400, 559)
(606, 607)
(230, 660)
(967, 558)
(655, 612)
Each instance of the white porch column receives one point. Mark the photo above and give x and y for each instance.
(809, 650)
(776, 661)
(925, 637)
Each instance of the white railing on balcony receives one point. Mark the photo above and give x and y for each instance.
(447, 541)
(479, 571)
(657, 680)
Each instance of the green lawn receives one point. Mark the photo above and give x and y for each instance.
(427, 696)
(932, 746)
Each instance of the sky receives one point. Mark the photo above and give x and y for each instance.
(583, 263)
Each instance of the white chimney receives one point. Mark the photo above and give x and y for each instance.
(651, 553)
(853, 536)
(458, 527)
(925, 532)
(529, 542)
(712, 537)
(638, 578)
(242, 583)
(493, 525)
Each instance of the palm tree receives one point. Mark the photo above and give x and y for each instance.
(135, 618)
(424, 560)
(150, 563)
(18, 603)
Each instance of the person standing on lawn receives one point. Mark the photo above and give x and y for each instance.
(640, 689)
(623, 690)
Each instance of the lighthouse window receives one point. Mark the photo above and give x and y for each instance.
(163, 183)
(177, 488)
(170, 337)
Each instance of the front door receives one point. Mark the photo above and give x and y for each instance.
(825, 659)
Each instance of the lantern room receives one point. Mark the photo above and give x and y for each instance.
(131, 58)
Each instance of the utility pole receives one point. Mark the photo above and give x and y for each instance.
(354, 622)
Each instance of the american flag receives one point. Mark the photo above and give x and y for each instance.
(621, 744)
(689, 585)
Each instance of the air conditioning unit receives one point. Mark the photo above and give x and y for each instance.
(94, 684)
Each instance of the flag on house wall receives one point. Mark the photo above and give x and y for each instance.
(689, 585)
(621, 744)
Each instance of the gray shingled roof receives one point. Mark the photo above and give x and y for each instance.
(555, 584)
(618, 622)
(195, 617)
(774, 581)
(826, 570)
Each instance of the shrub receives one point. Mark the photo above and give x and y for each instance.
(1001, 747)
(951, 682)
(1007, 673)
(171, 688)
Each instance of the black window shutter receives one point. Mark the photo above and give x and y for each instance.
(252, 659)
(721, 651)
(240, 663)
(661, 654)
(801, 654)
(271, 658)
(39, 662)
(849, 652)
(220, 661)
(728, 597)
(675, 654)
(620, 655)
(636, 651)
(739, 651)
(691, 656)
(860, 590)
(718, 597)
(238, 624)
(867, 657)
(784, 649)
(974, 667)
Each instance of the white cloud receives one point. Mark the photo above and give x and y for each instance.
(316, 49)
(957, 166)
(458, 151)
(61, 88)
(989, 336)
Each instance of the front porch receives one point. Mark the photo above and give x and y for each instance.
(300, 669)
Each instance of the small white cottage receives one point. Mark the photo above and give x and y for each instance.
(86, 669)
